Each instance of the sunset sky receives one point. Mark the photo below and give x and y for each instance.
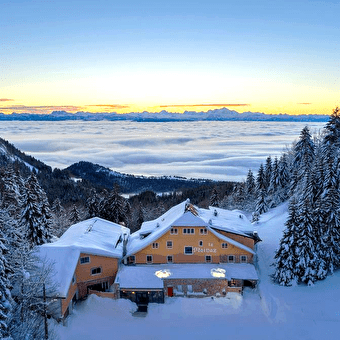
(124, 56)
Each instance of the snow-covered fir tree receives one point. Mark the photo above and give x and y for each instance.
(274, 179)
(315, 181)
(74, 215)
(12, 189)
(40, 221)
(250, 184)
(267, 172)
(214, 200)
(261, 204)
(5, 286)
(304, 153)
(330, 212)
(30, 220)
(114, 207)
(92, 204)
(306, 267)
(286, 257)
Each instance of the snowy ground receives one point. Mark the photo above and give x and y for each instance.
(270, 312)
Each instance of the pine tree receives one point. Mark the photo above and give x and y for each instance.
(261, 205)
(11, 191)
(139, 217)
(114, 208)
(286, 257)
(250, 184)
(5, 295)
(306, 267)
(46, 217)
(304, 153)
(260, 179)
(214, 198)
(92, 204)
(57, 207)
(267, 172)
(41, 219)
(74, 215)
(31, 219)
(331, 232)
(332, 132)
(274, 179)
(250, 192)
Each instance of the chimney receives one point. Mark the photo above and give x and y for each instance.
(125, 241)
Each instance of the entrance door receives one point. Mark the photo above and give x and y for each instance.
(171, 291)
(142, 298)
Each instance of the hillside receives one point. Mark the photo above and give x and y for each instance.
(10, 154)
(270, 312)
(100, 176)
(74, 183)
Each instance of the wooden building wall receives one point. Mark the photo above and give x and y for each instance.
(211, 245)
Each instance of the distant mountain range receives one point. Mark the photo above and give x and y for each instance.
(222, 114)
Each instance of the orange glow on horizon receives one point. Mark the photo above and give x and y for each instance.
(303, 108)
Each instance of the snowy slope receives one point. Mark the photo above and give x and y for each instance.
(270, 312)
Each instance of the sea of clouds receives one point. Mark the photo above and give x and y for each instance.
(215, 150)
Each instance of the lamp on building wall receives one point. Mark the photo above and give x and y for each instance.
(163, 273)
(217, 272)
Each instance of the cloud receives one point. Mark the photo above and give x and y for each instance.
(197, 105)
(6, 100)
(202, 149)
(45, 109)
(42, 109)
(111, 106)
(304, 103)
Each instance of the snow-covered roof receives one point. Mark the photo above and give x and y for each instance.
(94, 236)
(157, 228)
(185, 214)
(144, 276)
(227, 220)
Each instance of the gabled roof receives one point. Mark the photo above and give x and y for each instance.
(156, 228)
(186, 214)
(94, 236)
(233, 221)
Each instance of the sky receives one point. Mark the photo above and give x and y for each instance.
(130, 56)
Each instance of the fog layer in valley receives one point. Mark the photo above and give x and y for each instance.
(216, 150)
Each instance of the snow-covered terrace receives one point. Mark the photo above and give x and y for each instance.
(145, 276)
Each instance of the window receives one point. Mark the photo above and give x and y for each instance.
(169, 259)
(231, 258)
(243, 259)
(224, 245)
(188, 250)
(131, 259)
(148, 258)
(85, 259)
(155, 245)
(208, 258)
(232, 283)
(203, 231)
(174, 231)
(74, 279)
(188, 231)
(96, 271)
(200, 243)
(169, 244)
